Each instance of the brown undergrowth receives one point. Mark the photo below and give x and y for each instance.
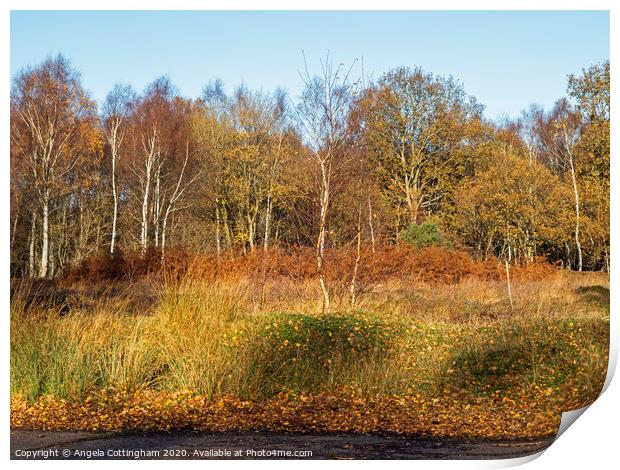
(431, 264)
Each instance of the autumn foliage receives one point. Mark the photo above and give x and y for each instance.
(433, 265)
(236, 173)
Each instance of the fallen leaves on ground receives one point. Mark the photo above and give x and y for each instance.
(449, 415)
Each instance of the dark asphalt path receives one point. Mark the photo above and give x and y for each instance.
(190, 445)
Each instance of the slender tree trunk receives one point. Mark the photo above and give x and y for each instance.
(606, 259)
(269, 199)
(145, 215)
(320, 246)
(62, 239)
(52, 259)
(176, 194)
(250, 232)
(163, 235)
(489, 246)
(115, 201)
(45, 237)
(98, 235)
(357, 258)
(370, 225)
(81, 242)
(227, 230)
(265, 254)
(267, 223)
(14, 229)
(31, 254)
(156, 205)
(413, 212)
(508, 282)
(577, 241)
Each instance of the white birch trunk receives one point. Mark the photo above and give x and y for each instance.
(145, 209)
(31, 254)
(115, 201)
(267, 223)
(45, 237)
(320, 252)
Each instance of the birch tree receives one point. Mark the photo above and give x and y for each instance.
(591, 92)
(116, 114)
(323, 118)
(152, 136)
(181, 185)
(52, 110)
(212, 136)
(560, 134)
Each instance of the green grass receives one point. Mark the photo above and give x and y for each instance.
(595, 295)
(207, 340)
(305, 353)
(542, 353)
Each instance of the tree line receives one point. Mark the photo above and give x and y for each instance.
(349, 162)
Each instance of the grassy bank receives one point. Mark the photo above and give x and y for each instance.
(452, 347)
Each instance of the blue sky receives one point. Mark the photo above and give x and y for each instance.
(508, 60)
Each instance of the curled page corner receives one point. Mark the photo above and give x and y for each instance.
(568, 418)
(566, 421)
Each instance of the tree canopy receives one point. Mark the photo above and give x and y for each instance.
(349, 163)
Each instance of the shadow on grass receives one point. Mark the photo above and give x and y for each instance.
(508, 357)
(597, 296)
